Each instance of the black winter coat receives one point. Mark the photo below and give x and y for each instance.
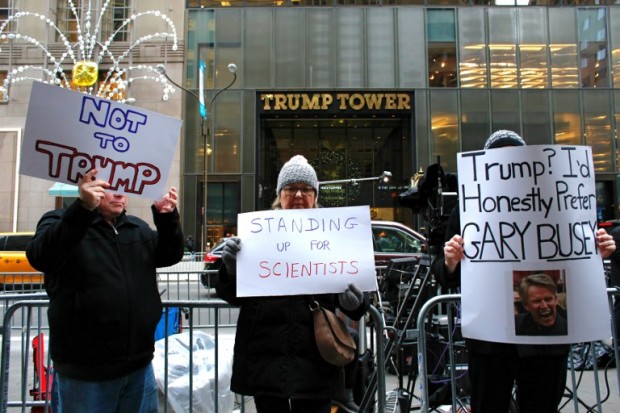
(450, 281)
(275, 350)
(102, 285)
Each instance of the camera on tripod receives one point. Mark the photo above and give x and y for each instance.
(434, 195)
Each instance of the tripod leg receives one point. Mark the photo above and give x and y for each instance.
(420, 283)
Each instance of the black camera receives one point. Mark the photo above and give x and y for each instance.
(434, 195)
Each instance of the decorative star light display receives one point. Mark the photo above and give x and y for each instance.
(91, 51)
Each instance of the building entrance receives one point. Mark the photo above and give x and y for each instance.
(341, 148)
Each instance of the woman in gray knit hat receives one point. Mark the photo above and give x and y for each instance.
(276, 359)
(297, 173)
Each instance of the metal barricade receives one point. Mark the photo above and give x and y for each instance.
(614, 294)
(26, 335)
(21, 281)
(187, 286)
(20, 383)
(16, 324)
(457, 403)
(17, 394)
(180, 282)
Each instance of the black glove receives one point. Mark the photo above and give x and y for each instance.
(229, 254)
(351, 298)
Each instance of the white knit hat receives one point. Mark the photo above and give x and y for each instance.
(297, 170)
(503, 137)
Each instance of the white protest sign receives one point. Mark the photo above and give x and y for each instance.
(68, 133)
(531, 210)
(305, 251)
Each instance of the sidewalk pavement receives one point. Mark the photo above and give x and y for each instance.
(584, 383)
(581, 383)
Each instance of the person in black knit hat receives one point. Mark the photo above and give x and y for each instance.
(539, 371)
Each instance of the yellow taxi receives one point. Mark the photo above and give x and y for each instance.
(15, 270)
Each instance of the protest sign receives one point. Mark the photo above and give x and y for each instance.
(305, 251)
(524, 211)
(68, 133)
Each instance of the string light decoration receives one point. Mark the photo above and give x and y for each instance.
(90, 53)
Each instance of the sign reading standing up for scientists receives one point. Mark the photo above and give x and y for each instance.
(68, 133)
(305, 251)
(532, 271)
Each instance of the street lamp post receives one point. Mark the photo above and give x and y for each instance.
(205, 131)
(232, 68)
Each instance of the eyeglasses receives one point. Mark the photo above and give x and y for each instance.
(292, 190)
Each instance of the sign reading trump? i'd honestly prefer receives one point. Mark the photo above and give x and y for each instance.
(532, 271)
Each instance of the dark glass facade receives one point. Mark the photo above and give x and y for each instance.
(549, 73)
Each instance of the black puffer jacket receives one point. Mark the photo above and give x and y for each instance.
(275, 349)
(102, 284)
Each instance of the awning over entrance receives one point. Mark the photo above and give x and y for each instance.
(63, 190)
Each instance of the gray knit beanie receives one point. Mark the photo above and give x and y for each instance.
(503, 138)
(297, 170)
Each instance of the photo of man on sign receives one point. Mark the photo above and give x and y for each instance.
(541, 306)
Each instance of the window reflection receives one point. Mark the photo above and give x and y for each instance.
(503, 47)
(615, 54)
(594, 64)
(536, 119)
(593, 52)
(533, 51)
(566, 117)
(597, 124)
(564, 72)
(505, 110)
(442, 65)
(473, 67)
(441, 34)
(226, 135)
(474, 119)
(503, 62)
(6, 10)
(472, 48)
(111, 22)
(444, 127)
(533, 67)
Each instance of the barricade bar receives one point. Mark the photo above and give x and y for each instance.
(425, 311)
(30, 302)
(35, 302)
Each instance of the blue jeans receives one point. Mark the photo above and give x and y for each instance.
(134, 393)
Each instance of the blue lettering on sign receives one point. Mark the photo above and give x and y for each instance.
(100, 113)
